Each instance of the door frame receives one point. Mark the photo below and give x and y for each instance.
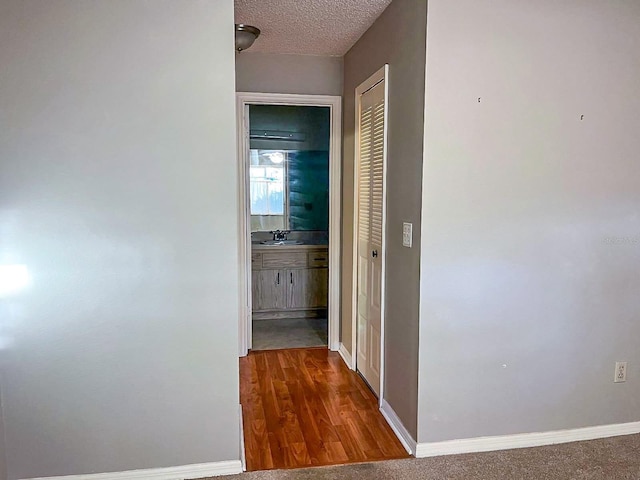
(381, 75)
(334, 103)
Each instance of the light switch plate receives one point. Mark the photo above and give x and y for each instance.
(407, 234)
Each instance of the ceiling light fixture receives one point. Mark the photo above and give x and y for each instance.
(276, 157)
(245, 36)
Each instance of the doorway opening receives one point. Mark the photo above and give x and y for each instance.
(289, 167)
(289, 216)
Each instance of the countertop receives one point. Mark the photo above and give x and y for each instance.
(262, 248)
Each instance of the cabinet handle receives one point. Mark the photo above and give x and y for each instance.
(278, 280)
(291, 278)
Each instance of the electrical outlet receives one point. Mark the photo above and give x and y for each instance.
(621, 372)
(407, 234)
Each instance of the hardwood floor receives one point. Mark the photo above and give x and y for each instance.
(304, 407)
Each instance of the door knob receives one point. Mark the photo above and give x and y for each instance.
(374, 253)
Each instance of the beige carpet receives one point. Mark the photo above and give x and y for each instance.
(608, 459)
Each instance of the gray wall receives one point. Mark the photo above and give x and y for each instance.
(276, 73)
(118, 185)
(396, 38)
(3, 456)
(531, 233)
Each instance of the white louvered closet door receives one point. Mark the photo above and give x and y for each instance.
(370, 234)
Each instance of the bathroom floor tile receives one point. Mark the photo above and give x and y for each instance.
(289, 333)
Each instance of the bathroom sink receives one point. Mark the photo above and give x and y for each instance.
(281, 242)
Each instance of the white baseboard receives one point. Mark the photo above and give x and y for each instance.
(398, 428)
(243, 457)
(346, 356)
(524, 440)
(184, 472)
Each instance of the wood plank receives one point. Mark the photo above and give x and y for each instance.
(258, 444)
(255, 429)
(362, 436)
(296, 456)
(381, 432)
(350, 445)
(337, 453)
(308, 425)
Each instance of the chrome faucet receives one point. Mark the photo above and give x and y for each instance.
(280, 235)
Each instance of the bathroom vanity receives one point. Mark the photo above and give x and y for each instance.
(289, 281)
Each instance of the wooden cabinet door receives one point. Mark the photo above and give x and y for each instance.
(268, 289)
(307, 288)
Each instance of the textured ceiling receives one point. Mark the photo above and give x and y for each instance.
(309, 27)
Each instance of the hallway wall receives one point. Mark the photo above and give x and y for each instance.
(398, 37)
(280, 73)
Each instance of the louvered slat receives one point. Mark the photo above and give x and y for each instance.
(364, 182)
(377, 171)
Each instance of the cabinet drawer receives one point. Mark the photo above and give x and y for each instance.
(318, 259)
(256, 260)
(284, 259)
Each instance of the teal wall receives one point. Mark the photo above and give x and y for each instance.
(309, 190)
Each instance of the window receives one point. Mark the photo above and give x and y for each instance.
(267, 174)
